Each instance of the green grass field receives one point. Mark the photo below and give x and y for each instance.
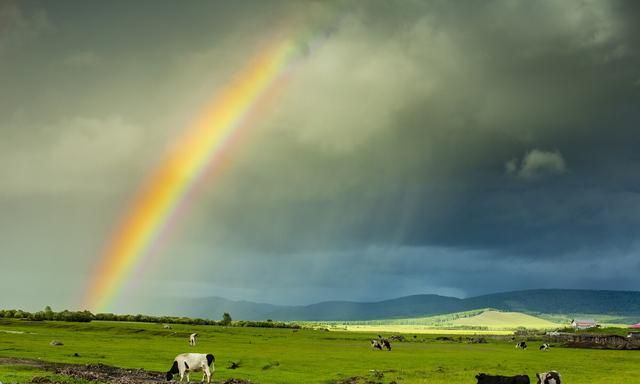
(300, 356)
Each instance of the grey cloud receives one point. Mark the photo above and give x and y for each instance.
(537, 164)
(398, 133)
(19, 27)
(379, 273)
(82, 59)
(78, 155)
(407, 133)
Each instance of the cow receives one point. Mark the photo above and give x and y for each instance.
(522, 345)
(193, 339)
(192, 362)
(483, 378)
(544, 347)
(551, 377)
(381, 343)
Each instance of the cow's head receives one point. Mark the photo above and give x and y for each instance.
(174, 369)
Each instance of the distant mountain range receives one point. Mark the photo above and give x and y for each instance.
(548, 301)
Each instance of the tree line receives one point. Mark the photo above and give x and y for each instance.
(87, 316)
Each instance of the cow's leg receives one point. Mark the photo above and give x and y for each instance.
(206, 373)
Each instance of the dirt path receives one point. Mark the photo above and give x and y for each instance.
(97, 372)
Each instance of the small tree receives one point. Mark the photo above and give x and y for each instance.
(226, 318)
(48, 313)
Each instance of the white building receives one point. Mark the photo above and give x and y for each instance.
(583, 323)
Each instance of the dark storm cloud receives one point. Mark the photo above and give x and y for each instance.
(422, 146)
(549, 87)
(548, 84)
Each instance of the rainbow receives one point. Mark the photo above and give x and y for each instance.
(162, 195)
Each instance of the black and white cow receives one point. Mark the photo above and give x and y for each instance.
(544, 347)
(551, 377)
(193, 339)
(522, 345)
(192, 362)
(483, 378)
(381, 343)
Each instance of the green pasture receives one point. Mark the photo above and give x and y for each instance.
(301, 356)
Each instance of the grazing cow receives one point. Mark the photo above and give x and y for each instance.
(483, 378)
(381, 343)
(544, 347)
(551, 377)
(522, 345)
(193, 339)
(192, 362)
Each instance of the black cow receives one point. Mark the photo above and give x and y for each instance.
(551, 377)
(544, 347)
(483, 378)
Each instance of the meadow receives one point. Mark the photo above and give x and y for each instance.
(299, 356)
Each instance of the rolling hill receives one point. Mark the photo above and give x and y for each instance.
(502, 320)
(623, 304)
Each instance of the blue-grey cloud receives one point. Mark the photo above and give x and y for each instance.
(537, 164)
(424, 146)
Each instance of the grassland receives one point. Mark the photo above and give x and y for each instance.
(300, 356)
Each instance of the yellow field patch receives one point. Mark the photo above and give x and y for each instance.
(393, 328)
(505, 320)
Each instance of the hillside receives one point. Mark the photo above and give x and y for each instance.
(488, 320)
(613, 304)
(504, 320)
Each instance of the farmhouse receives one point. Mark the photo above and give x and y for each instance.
(635, 326)
(583, 324)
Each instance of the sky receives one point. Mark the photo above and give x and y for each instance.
(455, 148)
